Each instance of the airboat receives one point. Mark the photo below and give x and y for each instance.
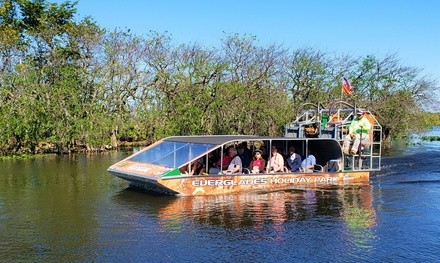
(180, 165)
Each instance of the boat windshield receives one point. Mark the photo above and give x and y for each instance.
(172, 154)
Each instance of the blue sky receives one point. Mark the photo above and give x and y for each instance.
(409, 29)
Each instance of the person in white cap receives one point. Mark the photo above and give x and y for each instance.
(357, 133)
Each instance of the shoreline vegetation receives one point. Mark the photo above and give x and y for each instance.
(430, 138)
(126, 146)
(68, 85)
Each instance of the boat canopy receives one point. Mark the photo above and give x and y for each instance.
(176, 152)
(211, 139)
(172, 154)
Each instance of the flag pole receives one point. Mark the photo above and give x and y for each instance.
(342, 90)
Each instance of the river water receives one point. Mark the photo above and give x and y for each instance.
(68, 208)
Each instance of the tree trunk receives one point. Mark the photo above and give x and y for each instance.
(114, 139)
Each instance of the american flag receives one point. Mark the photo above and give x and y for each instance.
(346, 87)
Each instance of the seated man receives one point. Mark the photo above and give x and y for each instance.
(357, 133)
(308, 163)
(235, 165)
(294, 161)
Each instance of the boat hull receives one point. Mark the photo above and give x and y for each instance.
(227, 184)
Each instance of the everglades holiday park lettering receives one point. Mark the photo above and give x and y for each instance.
(259, 181)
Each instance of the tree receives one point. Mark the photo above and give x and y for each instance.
(394, 92)
(72, 84)
(44, 82)
(306, 76)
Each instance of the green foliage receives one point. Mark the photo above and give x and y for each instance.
(71, 84)
(428, 119)
(430, 138)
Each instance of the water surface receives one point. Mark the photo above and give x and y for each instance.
(68, 208)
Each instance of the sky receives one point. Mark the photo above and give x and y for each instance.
(410, 29)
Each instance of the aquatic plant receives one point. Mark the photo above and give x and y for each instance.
(430, 138)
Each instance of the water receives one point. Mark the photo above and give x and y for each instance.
(68, 208)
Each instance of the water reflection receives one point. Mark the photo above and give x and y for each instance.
(47, 205)
(269, 215)
(68, 208)
(253, 210)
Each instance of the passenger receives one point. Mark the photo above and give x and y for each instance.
(212, 160)
(245, 154)
(235, 165)
(195, 167)
(357, 133)
(308, 163)
(276, 161)
(264, 152)
(294, 161)
(258, 163)
(219, 166)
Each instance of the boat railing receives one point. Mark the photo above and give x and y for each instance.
(369, 156)
(333, 122)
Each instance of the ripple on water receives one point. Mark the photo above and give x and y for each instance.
(71, 209)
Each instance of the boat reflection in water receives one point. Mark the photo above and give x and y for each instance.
(280, 211)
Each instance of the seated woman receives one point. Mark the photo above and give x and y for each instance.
(257, 164)
(276, 163)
